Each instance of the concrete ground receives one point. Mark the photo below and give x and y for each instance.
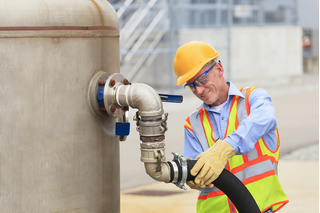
(297, 108)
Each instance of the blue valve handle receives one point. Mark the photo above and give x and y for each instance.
(171, 98)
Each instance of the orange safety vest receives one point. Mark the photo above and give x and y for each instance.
(257, 169)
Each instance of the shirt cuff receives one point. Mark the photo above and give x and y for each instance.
(230, 140)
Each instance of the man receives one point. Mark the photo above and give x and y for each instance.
(234, 129)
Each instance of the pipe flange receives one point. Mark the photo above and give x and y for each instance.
(102, 94)
(109, 95)
(93, 90)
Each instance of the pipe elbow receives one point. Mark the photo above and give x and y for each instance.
(149, 105)
(163, 175)
(142, 97)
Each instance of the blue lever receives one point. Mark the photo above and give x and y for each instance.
(171, 98)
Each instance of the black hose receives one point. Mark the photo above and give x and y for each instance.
(230, 185)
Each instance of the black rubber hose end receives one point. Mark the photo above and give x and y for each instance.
(230, 185)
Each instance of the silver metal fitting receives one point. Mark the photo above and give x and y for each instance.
(152, 145)
(110, 84)
(153, 155)
(183, 163)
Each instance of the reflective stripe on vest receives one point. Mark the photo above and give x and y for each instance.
(253, 169)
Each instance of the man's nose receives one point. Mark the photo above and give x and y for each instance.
(199, 89)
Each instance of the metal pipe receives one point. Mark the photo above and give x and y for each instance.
(150, 125)
(140, 96)
(163, 175)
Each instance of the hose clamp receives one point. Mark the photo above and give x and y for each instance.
(183, 163)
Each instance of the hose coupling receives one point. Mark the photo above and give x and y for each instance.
(151, 129)
(179, 182)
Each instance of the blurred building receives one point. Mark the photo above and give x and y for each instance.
(308, 13)
(259, 40)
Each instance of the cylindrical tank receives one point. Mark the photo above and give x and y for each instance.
(55, 155)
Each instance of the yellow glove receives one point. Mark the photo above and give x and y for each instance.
(193, 185)
(212, 162)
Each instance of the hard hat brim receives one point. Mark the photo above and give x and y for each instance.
(187, 76)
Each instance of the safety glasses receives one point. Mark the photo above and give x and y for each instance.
(201, 80)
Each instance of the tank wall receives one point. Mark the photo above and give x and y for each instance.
(55, 156)
(57, 13)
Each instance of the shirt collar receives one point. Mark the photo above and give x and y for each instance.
(233, 91)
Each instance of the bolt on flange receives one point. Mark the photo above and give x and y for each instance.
(109, 95)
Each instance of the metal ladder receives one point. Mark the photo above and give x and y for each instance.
(136, 44)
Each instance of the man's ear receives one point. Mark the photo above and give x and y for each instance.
(220, 69)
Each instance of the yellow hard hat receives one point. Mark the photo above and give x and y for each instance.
(190, 58)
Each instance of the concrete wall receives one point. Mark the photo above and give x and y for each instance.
(258, 54)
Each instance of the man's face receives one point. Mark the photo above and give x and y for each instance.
(211, 92)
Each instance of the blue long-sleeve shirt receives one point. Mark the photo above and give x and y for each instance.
(260, 122)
